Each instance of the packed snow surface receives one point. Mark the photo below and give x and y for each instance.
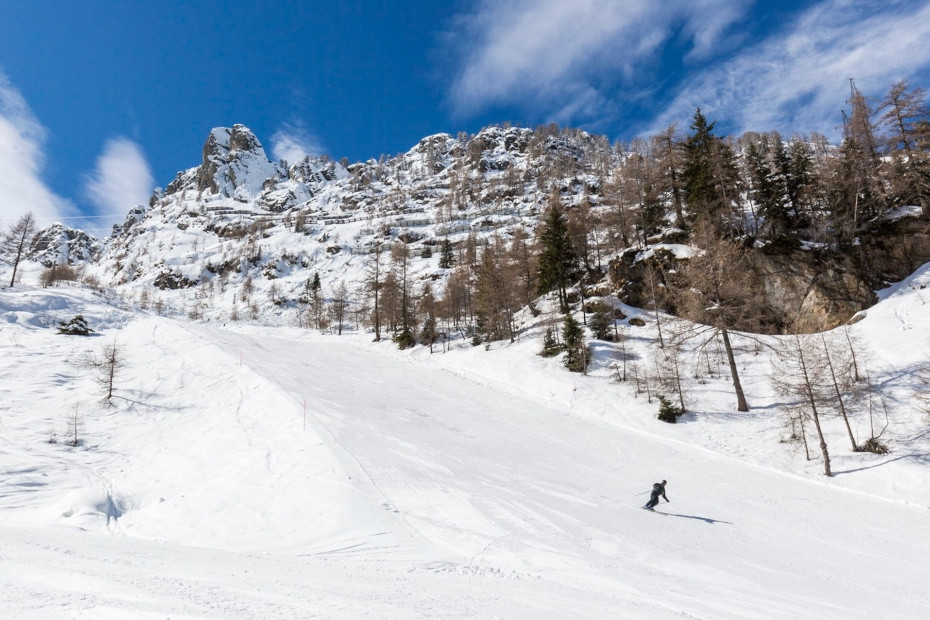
(254, 472)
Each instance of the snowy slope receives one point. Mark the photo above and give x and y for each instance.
(471, 483)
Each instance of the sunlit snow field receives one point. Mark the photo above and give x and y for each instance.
(256, 472)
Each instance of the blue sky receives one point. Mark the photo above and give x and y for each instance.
(100, 101)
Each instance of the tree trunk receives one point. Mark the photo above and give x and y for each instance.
(737, 386)
(19, 255)
(839, 395)
(823, 442)
(681, 393)
(807, 451)
(812, 401)
(852, 352)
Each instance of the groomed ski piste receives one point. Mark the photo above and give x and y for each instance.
(245, 471)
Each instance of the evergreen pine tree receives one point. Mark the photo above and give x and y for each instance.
(667, 411)
(799, 177)
(573, 339)
(600, 324)
(709, 177)
(698, 175)
(768, 193)
(556, 258)
(446, 256)
(75, 327)
(551, 346)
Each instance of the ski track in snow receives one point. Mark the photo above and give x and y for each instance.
(460, 485)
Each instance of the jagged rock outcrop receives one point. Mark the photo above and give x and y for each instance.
(809, 292)
(893, 249)
(57, 245)
(234, 166)
(172, 280)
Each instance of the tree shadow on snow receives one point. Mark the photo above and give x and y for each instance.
(920, 458)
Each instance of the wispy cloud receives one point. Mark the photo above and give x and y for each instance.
(797, 79)
(121, 179)
(293, 141)
(598, 62)
(22, 158)
(566, 55)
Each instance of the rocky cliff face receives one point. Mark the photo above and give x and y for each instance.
(805, 290)
(57, 245)
(809, 292)
(234, 166)
(893, 250)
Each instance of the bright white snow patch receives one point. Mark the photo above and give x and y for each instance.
(471, 483)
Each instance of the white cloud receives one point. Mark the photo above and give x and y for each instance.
(589, 61)
(22, 158)
(550, 53)
(121, 179)
(797, 79)
(292, 142)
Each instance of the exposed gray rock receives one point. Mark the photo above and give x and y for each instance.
(57, 244)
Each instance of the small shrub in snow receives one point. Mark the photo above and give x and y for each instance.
(75, 426)
(601, 325)
(404, 339)
(551, 347)
(75, 327)
(667, 411)
(62, 272)
(577, 354)
(873, 445)
(93, 283)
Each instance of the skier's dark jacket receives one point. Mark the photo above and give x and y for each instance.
(658, 490)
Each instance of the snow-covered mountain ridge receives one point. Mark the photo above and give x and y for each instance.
(240, 236)
(238, 215)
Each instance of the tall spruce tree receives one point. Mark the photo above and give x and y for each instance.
(556, 258)
(698, 173)
(709, 177)
(799, 178)
(573, 342)
(446, 255)
(767, 191)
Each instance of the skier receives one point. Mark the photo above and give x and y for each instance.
(658, 490)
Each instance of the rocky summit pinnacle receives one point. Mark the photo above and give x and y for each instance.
(234, 164)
